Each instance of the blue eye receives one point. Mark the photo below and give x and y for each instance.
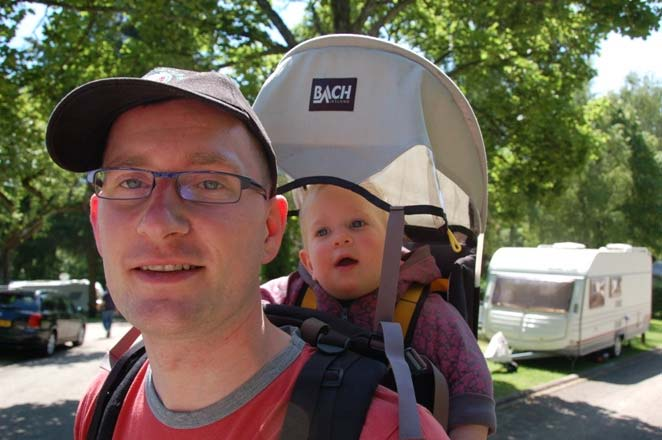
(211, 184)
(132, 184)
(322, 232)
(357, 224)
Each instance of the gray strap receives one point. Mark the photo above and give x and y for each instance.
(388, 285)
(441, 397)
(409, 422)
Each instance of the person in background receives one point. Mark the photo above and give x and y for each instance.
(107, 312)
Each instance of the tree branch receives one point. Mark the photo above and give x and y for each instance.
(272, 51)
(6, 202)
(374, 29)
(278, 22)
(86, 8)
(366, 11)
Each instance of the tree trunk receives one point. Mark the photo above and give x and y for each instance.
(4, 260)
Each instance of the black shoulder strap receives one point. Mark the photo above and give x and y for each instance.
(112, 393)
(331, 397)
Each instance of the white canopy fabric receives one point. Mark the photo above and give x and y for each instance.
(360, 108)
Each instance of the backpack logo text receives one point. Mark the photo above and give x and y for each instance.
(332, 94)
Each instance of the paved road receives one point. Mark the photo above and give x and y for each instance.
(39, 396)
(622, 400)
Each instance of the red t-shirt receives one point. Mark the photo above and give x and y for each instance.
(255, 411)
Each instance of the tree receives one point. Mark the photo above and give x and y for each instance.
(615, 196)
(523, 66)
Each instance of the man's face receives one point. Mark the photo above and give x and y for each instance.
(176, 266)
(344, 241)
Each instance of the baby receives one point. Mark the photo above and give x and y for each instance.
(343, 241)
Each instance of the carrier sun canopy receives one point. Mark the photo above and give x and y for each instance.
(359, 108)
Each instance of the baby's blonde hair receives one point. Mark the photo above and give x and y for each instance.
(302, 195)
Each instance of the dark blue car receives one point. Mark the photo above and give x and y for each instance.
(39, 320)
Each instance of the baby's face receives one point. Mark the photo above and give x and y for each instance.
(343, 241)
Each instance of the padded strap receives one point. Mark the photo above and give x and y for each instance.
(406, 307)
(300, 409)
(387, 294)
(439, 285)
(308, 299)
(409, 422)
(112, 393)
(331, 397)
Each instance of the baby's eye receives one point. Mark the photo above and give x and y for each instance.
(321, 232)
(357, 224)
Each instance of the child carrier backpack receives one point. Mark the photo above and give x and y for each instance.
(348, 109)
(333, 392)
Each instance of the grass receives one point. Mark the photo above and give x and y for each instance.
(540, 371)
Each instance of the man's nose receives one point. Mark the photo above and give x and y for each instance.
(164, 212)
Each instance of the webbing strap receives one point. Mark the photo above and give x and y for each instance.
(388, 285)
(409, 422)
(441, 397)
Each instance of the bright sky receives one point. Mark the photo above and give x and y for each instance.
(618, 55)
(621, 55)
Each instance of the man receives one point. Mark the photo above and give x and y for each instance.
(184, 213)
(107, 312)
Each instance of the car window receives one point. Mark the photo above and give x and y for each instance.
(18, 300)
(48, 304)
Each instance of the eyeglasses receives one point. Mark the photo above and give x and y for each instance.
(196, 186)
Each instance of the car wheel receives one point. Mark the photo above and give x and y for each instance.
(51, 343)
(617, 349)
(80, 337)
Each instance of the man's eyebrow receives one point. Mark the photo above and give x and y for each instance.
(213, 158)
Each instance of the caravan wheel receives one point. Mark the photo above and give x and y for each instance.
(617, 349)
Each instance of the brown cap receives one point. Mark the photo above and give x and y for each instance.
(78, 127)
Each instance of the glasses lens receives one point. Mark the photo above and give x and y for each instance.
(209, 187)
(123, 184)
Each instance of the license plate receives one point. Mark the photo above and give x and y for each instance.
(5, 323)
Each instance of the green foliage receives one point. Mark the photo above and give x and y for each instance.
(523, 65)
(614, 196)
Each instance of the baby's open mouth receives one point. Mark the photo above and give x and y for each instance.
(346, 261)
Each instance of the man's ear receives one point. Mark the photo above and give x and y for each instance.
(94, 220)
(276, 223)
(304, 257)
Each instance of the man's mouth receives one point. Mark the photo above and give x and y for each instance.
(346, 262)
(168, 267)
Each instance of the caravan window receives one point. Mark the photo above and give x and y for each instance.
(598, 293)
(544, 293)
(614, 287)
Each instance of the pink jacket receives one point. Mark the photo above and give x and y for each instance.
(440, 333)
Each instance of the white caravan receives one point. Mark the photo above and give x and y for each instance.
(564, 299)
(76, 290)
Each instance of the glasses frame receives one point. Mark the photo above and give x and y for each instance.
(246, 183)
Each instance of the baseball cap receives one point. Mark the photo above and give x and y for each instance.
(79, 125)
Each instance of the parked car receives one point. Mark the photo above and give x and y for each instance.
(39, 319)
